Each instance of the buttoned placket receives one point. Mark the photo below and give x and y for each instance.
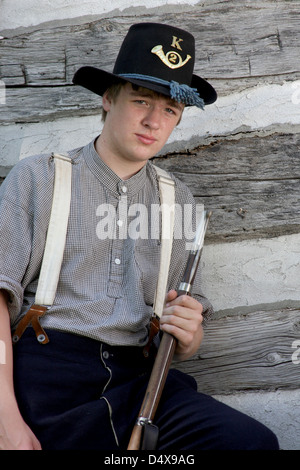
(117, 244)
(119, 194)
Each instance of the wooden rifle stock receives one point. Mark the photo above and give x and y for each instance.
(165, 355)
(154, 390)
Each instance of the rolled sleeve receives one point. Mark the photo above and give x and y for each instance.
(15, 249)
(16, 244)
(15, 295)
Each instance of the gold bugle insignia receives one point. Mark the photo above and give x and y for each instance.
(172, 59)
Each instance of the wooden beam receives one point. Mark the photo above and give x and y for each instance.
(238, 46)
(251, 185)
(247, 352)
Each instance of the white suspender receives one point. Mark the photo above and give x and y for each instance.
(57, 231)
(167, 202)
(53, 252)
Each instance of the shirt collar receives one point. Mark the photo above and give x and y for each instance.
(109, 178)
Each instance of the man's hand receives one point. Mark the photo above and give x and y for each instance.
(182, 318)
(15, 434)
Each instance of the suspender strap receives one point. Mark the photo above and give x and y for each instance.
(57, 230)
(167, 204)
(54, 250)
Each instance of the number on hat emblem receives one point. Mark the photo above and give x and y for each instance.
(172, 59)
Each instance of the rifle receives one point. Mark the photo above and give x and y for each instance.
(145, 434)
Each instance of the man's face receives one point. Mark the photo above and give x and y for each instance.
(138, 123)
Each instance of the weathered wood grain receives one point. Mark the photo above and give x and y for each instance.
(247, 352)
(252, 185)
(238, 46)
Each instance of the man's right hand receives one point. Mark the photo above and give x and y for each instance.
(15, 434)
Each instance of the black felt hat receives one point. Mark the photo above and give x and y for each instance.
(158, 57)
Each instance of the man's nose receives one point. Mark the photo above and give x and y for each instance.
(152, 118)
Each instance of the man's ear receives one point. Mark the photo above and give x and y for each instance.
(106, 101)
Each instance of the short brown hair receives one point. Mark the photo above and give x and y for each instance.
(113, 92)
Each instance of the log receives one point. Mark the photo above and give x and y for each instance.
(247, 352)
(251, 185)
(238, 46)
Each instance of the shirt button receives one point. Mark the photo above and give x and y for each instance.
(120, 223)
(124, 189)
(117, 261)
(106, 354)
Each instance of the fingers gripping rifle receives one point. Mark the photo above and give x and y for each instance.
(144, 435)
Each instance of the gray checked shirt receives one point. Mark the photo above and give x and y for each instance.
(111, 260)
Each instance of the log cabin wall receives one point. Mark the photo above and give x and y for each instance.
(240, 157)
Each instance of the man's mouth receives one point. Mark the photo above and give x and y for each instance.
(146, 139)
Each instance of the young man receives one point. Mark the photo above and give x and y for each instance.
(83, 388)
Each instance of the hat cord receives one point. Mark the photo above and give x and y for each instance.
(179, 92)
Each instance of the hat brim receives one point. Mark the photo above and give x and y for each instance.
(98, 81)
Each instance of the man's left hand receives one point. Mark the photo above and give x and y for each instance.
(182, 318)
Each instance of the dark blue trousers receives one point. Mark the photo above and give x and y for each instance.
(78, 393)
